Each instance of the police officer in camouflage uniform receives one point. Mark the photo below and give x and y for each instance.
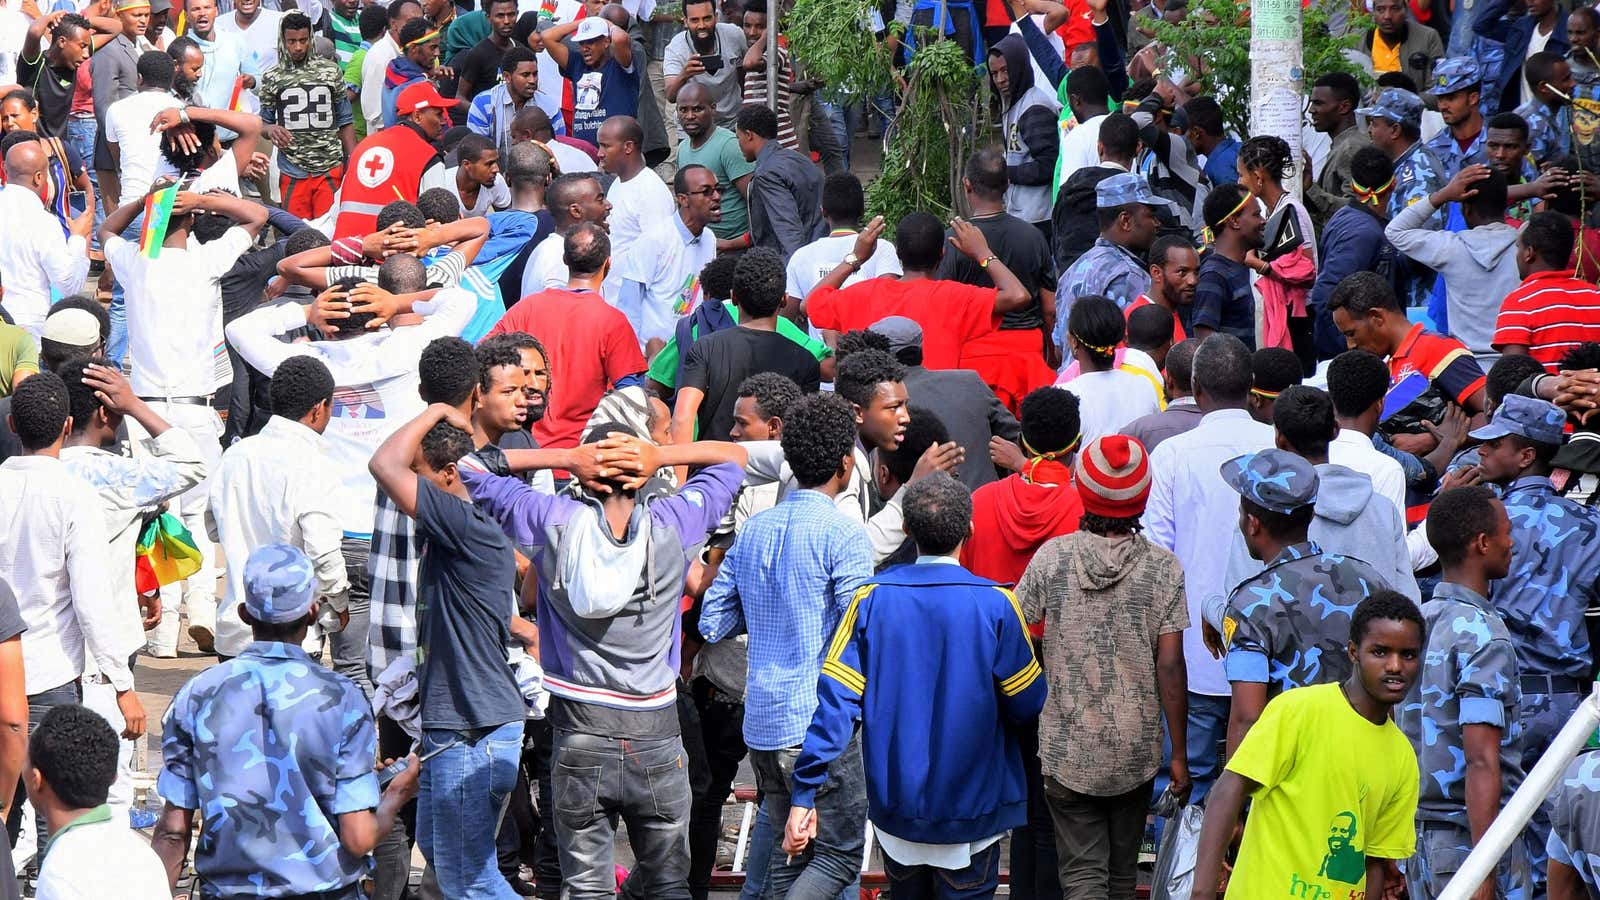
(1574, 844)
(276, 753)
(1461, 714)
(1394, 122)
(1554, 580)
(1451, 76)
(1288, 625)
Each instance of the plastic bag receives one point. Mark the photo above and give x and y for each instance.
(1173, 878)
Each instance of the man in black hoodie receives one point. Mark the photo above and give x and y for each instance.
(1075, 226)
(1028, 127)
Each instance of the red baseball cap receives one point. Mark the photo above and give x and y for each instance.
(422, 95)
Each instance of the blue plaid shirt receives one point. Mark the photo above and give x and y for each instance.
(786, 581)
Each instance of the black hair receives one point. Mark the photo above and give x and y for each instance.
(400, 211)
(938, 509)
(585, 248)
(294, 21)
(1150, 327)
(188, 162)
(371, 21)
(443, 444)
(923, 431)
(182, 44)
(1205, 114)
(75, 750)
(758, 282)
(1119, 134)
(14, 138)
(1180, 364)
(1274, 368)
(413, 31)
(1489, 203)
(1111, 525)
(1569, 199)
(1456, 516)
(1222, 369)
(1265, 151)
(397, 7)
(24, 94)
(1304, 416)
(303, 240)
(439, 205)
(1541, 67)
(602, 430)
(756, 6)
(208, 227)
(859, 375)
(680, 183)
(1343, 85)
(1550, 236)
(818, 433)
(716, 277)
(518, 54)
(1385, 604)
(155, 69)
(1589, 12)
(1049, 420)
(1397, 80)
(70, 22)
(861, 339)
(40, 408)
(1277, 524)
(774, 394)
(447, 371)
(563, 191)
(843, 200)
(494, 353)
(82, 403)
(758, 120)
(1584, 356)
(919, 240)
(986, 172)
(471, 149)
(1164, 245)
(687, 3)
(1089, 83)
(1362, 292)
(354, 324)
(527, 165)
(1356, 380)
(1509, 121)
(1507, 373)
(1098, 324)
(1221, 203)
(402, 273)
(1371, 168)
(298, 385)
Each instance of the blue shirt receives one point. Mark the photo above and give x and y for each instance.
(1106, 270)
(1222, 163)
(787, 580)
(599, 94)
(1223, 300)
(270, 747)
(1555, 576)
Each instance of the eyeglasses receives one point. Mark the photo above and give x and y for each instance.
(711, 191)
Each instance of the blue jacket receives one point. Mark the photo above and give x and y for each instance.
(1352, 241)
(936, 664)
(1491, 22)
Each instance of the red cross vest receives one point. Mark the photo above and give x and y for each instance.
(386, 167)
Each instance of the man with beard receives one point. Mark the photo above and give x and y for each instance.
(1174, 271)
(707, 53)
(1457, 85)
(190, 63)
(659, 270)
(306, 114)
(1399, 44)
(494, 109)
(708, 144)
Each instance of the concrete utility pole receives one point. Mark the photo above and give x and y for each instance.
(772, 55)
(1277, 77)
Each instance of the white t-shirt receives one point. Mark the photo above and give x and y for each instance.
(636, 204)
(1080, 148)
(13, 32)
(570, 158)
(1108, 401)
(811, 263)
(495, 197)
(258, 44)
(666, 261)
(102, 859)
(1536, 44)
(128, 126)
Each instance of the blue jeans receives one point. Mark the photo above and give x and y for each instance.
(460, 801)
(79, 138)
(646, 783)
(1208, 730)
(759, 852)
(833, 858)
(117, 343)
(977, 881)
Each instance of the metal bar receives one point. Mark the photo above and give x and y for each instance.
(772, 55)
(1507, 826)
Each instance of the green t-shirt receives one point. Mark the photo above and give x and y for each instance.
(17, 353)
(664, 368)
(721, 154)
(352, 78)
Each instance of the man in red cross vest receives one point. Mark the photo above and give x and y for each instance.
(396, 163)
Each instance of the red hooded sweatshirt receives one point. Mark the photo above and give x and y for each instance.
(1013, 517)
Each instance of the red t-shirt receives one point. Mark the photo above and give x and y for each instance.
(1178, 333)
(590, 345)
(1551, 313)
(1586, 255)
(950, 313)
(1079, 27)
(1447, 363)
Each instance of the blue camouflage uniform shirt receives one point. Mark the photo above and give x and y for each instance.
(1555, 577)
(1549, 130)
(270, 747)
(1469, 677)
(1105, 270)
(1452, 158)
(1288, 626)
(1575, 832)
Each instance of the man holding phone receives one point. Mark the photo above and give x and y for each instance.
(708, 53)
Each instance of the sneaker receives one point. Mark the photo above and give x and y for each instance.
(141, 819)
(204, 638)
(161, 652)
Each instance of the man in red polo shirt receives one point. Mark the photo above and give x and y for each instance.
(950, 313)
(1551, 312)
(592, 348)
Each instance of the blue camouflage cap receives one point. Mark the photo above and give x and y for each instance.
(1125, 188)
(1526, 417)
(1272, 479)
(1455, 74)
(1396, 105)
(279, 584)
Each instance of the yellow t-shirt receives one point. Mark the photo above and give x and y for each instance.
(1384, 57)
(1335, 789)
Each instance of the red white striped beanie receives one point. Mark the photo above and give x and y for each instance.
(1114, 476)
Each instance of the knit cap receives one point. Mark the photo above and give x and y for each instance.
(1114, 476)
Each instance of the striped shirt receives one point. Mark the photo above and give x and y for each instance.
(755, 91)
(1550, 313)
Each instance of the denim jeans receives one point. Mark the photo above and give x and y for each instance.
(758, 852)
(645, 783)
(1208, 729)
(833, 858)
(117, 343)
(977, 881)
(459, 804)
(79, 138)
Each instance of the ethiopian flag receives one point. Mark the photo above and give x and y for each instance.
(166, 553)
(157, 218)
(234, 102)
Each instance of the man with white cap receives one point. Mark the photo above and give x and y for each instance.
(605, 81)
(69, 333)
(274, 723)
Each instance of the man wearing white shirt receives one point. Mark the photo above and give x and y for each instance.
(1088, 95)
(1357, 383)
(34, 256)
(256, 30)
(571, 198)
(660, 271)
(265, 492)
(174, 307)
(638, 196)
(376, 63)
(135, 149)
(53, 559)
(844, 205)
(1188, 504)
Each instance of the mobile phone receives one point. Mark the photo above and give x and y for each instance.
(77, 203)
(392, 770)
(712, 62)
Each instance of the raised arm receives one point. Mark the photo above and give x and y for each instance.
(391, 464)
(553, 41)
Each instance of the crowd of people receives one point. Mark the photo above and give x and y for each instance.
(522, 407)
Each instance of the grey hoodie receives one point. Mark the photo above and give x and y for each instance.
(1479, 266)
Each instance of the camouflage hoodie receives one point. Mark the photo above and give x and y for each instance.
(308, 99)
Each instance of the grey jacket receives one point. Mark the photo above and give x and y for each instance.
(970, 410)
(116, 75)
(1479, 267)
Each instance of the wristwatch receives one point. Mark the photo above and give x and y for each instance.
(984, 263)
(852, 260)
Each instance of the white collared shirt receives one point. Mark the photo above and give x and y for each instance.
(1190, 512)
(660, 276)
(36, 257)
(53, 558)
(275, 487)
(1354, 450)
(175, 313)
(373, 68)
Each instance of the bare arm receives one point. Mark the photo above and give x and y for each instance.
(250, 216)
(13, 720)
(554, 43)
(621, 47)
(391, 464)
(360, 832)
(171, 840)
(685, 413)
(1249, 699)
(1172, 679)
(1223, 806)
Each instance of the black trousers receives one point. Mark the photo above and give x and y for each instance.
(722, 734)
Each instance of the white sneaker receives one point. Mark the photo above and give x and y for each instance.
(161, 652)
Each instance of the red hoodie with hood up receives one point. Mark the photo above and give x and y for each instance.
(1013, 517)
